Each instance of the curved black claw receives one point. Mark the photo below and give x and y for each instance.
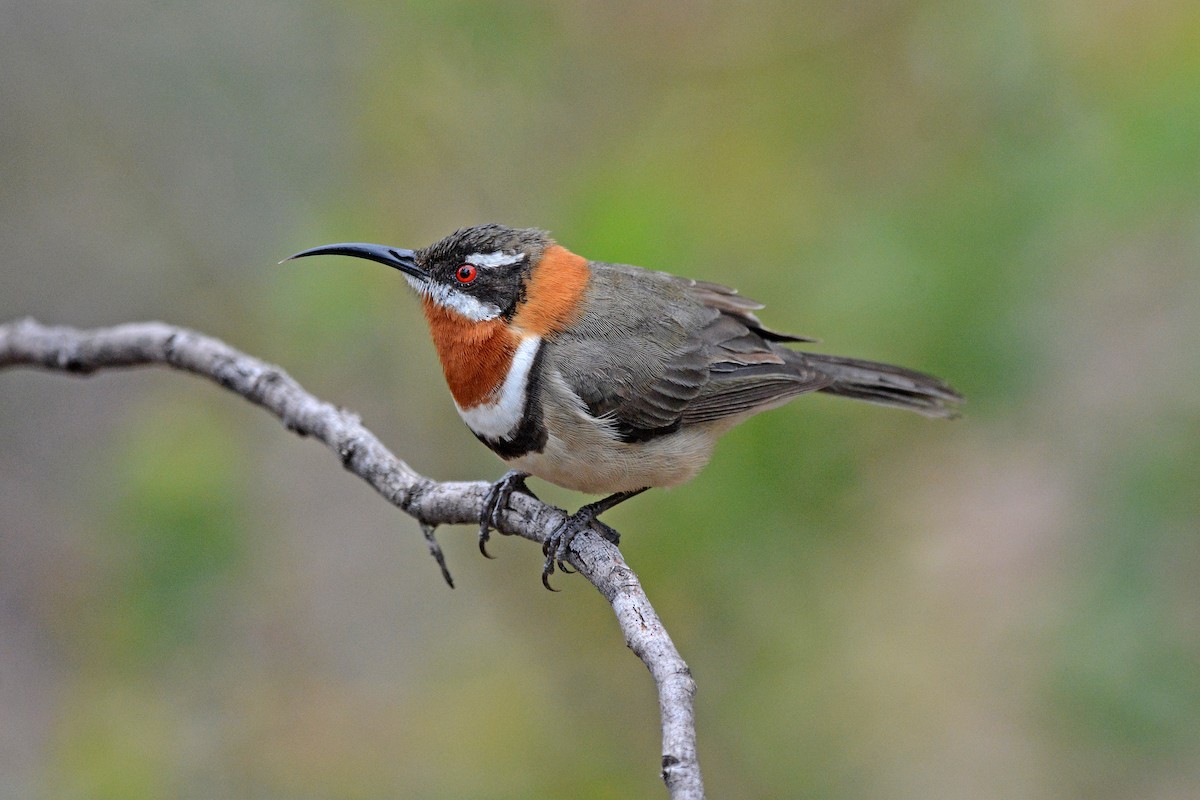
(557, 546)
(496, 501)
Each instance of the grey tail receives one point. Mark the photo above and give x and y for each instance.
(886, 385)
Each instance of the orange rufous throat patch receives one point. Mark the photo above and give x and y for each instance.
(553, 293)
(475, 356)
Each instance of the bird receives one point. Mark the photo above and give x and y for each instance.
(606, 378)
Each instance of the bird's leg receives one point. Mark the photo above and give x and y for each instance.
(496, 501)
(558, 544)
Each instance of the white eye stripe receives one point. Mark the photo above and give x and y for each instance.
(496, 259)
(460, 302)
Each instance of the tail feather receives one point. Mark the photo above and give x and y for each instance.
(886, 385)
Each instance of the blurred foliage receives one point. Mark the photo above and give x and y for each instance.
(195, 604)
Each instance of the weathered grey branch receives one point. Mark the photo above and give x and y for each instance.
(81, 352)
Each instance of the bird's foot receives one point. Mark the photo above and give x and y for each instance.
(496, 501)
(557, 546)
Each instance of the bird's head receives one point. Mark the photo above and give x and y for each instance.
(479, 273)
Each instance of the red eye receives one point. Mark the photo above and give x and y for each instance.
(466, 273)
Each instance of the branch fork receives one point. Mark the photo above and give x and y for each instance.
(81, 352)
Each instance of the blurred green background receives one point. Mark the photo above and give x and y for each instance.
(195, 603)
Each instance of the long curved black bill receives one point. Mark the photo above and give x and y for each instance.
(394, 257)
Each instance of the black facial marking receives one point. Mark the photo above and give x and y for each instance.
(522, 285)
(501, 286)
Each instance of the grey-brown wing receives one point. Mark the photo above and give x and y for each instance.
(667, 351)
(730, 302)
(748, 374)
(631, 356)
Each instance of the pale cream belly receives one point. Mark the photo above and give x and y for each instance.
(583, 453)
(605, 466)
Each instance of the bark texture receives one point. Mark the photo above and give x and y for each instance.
(82, 352)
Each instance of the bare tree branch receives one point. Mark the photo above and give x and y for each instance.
(81, 352)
